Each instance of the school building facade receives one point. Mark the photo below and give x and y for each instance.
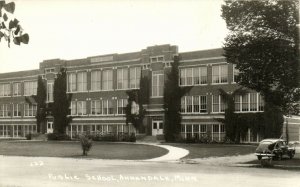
(98, 85)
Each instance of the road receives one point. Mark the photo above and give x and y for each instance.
(47, 171)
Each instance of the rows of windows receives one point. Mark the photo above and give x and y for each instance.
(251, 137)
(99, 107)
(103, 79)
(30, 88)
(29, 110)
(74, 130)
(215, 132)
(249, 102)
(193, 76)
(16, 130)
(194, 104)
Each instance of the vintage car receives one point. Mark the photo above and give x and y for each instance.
(274, 149)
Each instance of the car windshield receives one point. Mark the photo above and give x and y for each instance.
(266, 145)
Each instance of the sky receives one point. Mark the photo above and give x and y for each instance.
(72, 29)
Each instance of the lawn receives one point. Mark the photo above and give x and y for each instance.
(99, 150)
(214, 150)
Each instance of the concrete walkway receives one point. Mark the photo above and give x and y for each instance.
(174, 153)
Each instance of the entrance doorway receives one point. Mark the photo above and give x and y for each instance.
(49, 127)
(157, 128)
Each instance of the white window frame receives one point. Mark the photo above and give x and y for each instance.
(32, 90)
(220, 74)
(5, 90)
(81, 108)
(50, 91)
(17, 88)
(107, 83)
(81, 81)
(137, 70)
(18, 107)
(96, 80)
(72, 83)
(120, 78)
(159, 75)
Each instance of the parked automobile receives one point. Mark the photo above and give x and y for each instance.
(275, 149)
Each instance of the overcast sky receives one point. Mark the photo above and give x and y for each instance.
(70, 29)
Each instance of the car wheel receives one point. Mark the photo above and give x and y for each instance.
(259, 157)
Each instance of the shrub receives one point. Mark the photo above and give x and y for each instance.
(132, 137)
(86, 144)
(58, 136)
(28, 136)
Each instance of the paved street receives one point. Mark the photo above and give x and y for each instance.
(46, 171)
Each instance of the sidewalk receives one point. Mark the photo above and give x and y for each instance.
(174, 154)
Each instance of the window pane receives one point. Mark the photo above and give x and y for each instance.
(215, 74)
(203, 75)
(224, 73)
(196, 104)
(196, 75)
(203, 105)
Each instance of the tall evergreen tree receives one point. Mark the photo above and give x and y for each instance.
(41, 105)
(172, 102)
(61, 104)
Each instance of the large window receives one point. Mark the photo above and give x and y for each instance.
(72, 82)
(5, 89)
(157, 83)
(50, 91)
(122, 78)
(81, 108)
(82, 81)
(96, 80)
(194, 104)
(193, 76)
(218, 132)
(17, 110)
(135, 76)
(96, 107)
(249, 102)
(122, 103)
(218, 104)
(107, 79)
(30, 109)
(108, 107)
(196, 131)
(30, 88)
(5, 110)
(16, 88)
(73, 108)
(219, 73)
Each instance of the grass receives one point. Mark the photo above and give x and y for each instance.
(101, 150)
(214, 150)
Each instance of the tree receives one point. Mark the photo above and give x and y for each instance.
(10, 28)
(172, 102)
(40, 100)
(61, 104)
(134, 110)
(263, 42)
(41, 104)
(230, 118)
